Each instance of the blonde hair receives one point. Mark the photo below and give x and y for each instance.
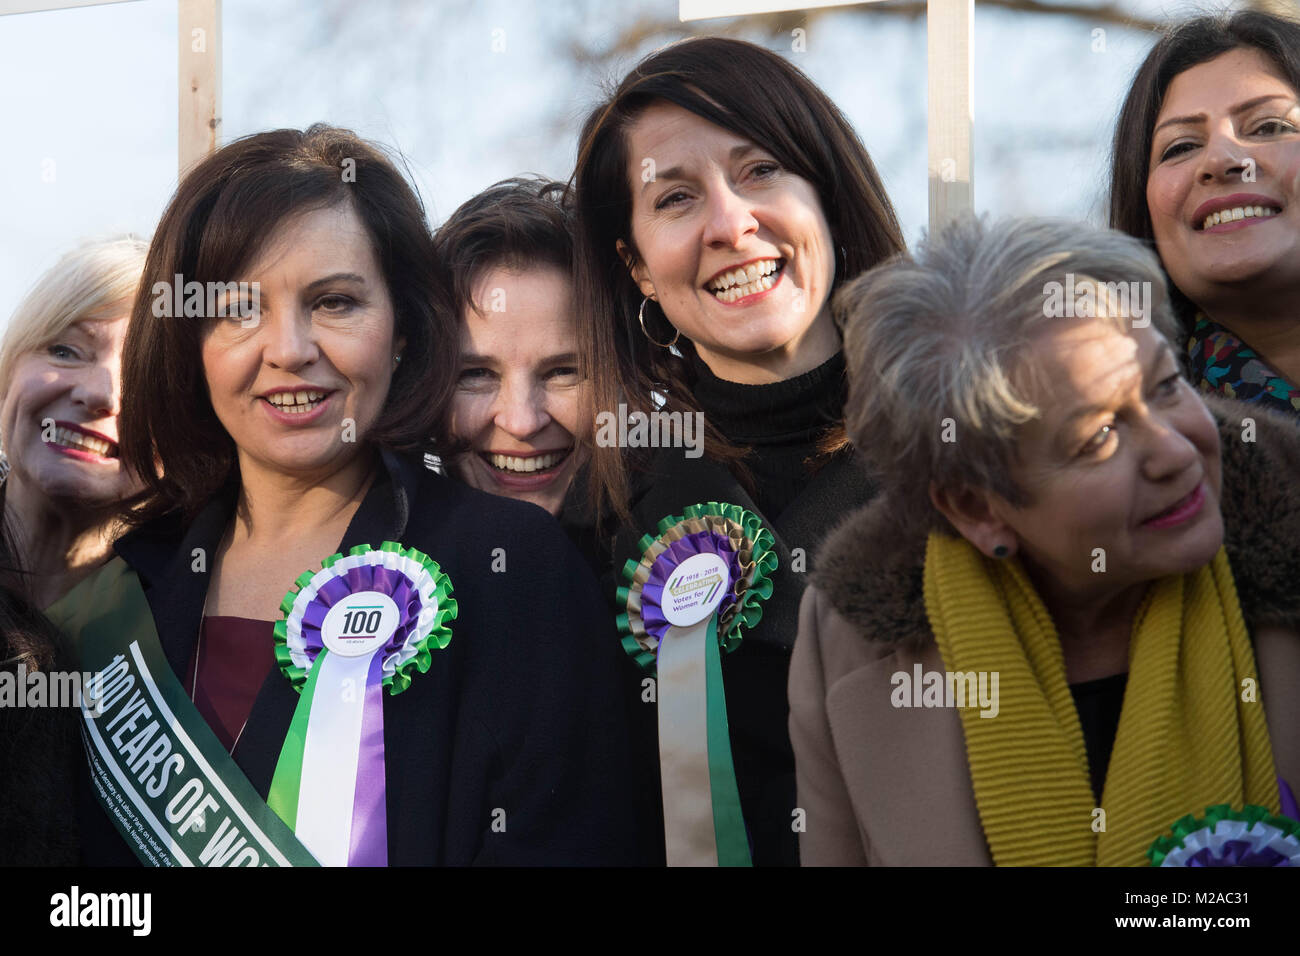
(84, 284)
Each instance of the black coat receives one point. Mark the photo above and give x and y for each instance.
(755, 675)
(39, 757)
(521, 711)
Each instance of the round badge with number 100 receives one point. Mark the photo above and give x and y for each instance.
(359, 624)
(695, 589)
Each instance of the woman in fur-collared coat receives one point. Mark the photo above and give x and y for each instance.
(1106, 566)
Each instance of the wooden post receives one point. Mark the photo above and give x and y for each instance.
(950, 68)
(198, 25)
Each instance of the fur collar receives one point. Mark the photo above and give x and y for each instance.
(870, 567)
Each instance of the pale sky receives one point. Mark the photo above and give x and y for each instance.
(88, 101)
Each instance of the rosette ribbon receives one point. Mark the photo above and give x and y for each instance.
(366, 622)
(700, 581)
(1251, 836)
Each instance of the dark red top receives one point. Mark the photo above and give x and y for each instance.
(233, 656)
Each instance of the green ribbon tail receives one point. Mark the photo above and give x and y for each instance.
(287, 782)
(728, 823)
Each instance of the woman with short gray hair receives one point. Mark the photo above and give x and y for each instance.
(1065, 623)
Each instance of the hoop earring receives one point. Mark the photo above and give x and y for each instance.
(640, 315)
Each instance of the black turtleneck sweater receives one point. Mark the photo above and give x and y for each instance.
(782, 423)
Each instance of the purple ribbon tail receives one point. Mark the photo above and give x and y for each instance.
(369, 813)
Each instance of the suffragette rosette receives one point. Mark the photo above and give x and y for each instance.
(366, 621)
(1251, 836)
(698, 584)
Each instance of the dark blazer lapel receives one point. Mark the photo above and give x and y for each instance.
(175, 589)
(413, 759)
(177, 594)
(258, 750)
(411, 766)
(386, 509)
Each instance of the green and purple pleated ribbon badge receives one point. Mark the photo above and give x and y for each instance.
(365, 622)
(698, 583)
(1251, 836)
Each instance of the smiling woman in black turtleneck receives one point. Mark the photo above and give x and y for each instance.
(721, 200)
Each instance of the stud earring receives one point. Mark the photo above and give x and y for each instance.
(1001, 551)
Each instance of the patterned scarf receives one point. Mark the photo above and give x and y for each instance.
(1222, 364)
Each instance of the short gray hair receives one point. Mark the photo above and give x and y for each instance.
(945, 334)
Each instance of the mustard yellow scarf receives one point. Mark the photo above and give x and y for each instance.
(1186, 738)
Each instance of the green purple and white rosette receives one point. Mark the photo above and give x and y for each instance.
(699, 583)
(1251, 836)
(366, 622)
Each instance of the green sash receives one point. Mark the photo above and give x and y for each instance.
(161, 775)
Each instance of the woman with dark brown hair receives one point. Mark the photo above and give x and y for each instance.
(1206, 166)
(287, 349)
(721, 199)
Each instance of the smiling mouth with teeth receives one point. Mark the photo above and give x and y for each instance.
(746, 280)
(295, 403)
(82, 442)
(519, 465)
(1239, 212)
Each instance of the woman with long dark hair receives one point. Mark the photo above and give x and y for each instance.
(721, 199)
(366, 663)
(1206, 166)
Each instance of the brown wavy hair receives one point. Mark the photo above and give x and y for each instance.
(754, 93)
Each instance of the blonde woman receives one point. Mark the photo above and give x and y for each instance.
(60, 375)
